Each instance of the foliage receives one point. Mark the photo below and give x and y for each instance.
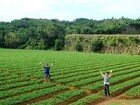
(104, 43)
(24, 89)
(96, 45)
(135, 91)
(59, 44)
(11, 40)
(41, 33)
(78, 46)
(86, 100)
(60, 97)
(28, 96)
(21, 77)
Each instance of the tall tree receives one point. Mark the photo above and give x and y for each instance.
(11, 40)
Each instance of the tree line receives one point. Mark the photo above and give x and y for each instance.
(28, 33)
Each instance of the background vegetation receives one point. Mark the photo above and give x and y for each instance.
(104, 43)
(45, 34)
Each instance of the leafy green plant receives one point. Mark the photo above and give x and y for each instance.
(59, 44)
(135, 91)
(21, 77)
(96, 45)
(78, 46)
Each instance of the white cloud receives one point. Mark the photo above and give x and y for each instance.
(123, 6)
(68, 9)
(22, 8)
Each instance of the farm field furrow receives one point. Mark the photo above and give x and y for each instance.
(96, 78)
(75, 77)
(134, 92)
(24, 89)
(58, 99)
(88, 70)
(29, 96)
(121, 88)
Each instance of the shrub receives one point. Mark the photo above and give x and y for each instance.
(58, 44)
(134, 40)
(96, 45)
(112, 41)
(78, 46)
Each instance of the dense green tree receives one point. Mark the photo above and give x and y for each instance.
(11, 40)
(59, 44)
(42, 33)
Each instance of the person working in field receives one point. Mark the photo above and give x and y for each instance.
(47, 76)
(106, 82)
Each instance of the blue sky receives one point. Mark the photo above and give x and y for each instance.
(69, 9)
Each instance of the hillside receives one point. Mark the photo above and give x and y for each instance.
(117, 44)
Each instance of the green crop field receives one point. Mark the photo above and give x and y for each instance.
(75, 77)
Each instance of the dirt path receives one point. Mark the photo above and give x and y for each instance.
(115, 101)
(121, 100)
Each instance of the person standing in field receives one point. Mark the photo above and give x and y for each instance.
(47, 76)
(106, 82)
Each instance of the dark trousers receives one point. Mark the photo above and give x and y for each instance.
(47, 76)
(106, 90)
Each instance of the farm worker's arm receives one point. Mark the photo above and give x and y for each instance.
(41, 64)
(52, 64)
(110, 73)
(101, 73)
